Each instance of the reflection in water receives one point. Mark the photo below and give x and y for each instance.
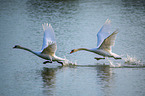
(104, 72)
(48, 76)
(76, 23)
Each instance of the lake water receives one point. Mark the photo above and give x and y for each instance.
(76, 23)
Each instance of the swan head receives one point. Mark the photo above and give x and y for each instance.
(17, 46)
(74, 50)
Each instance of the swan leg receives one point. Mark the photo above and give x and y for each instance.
(47, 62)
(60, 62)
(98, 58)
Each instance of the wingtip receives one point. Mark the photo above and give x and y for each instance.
(108, 21)
(50, 25)
(45, 26)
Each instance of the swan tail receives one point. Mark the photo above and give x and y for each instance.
(115, 56)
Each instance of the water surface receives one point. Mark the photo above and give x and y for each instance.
(76, 23)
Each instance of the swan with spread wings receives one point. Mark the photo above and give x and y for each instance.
(105, 40)
(49, 46)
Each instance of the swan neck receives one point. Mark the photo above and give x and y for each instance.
(83, 49)
(28, 50)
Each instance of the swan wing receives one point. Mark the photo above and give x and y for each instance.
(49, 43)
(50, 49)
(109, 42)
(103, 33)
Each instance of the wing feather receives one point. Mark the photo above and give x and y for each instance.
(109, 42)
(50, 50)
(103, 33)
(49, 43)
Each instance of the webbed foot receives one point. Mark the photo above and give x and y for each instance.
(47, 62)
(98, 58)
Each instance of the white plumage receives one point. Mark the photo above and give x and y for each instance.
(49, 46)
(103, 33)
(105, 40)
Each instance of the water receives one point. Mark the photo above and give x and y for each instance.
(76, 23)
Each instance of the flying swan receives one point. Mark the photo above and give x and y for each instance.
(49, 46)
(105, 41)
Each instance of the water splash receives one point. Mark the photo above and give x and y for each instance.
(114, 65)
(127, 61)
(67, 62)
(132, 61)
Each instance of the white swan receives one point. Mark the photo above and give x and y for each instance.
(105, 41)
(49, 46)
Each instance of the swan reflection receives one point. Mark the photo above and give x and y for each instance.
(104, 72)
(49, 76)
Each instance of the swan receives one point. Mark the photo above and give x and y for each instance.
(49, 46)
(105, 41)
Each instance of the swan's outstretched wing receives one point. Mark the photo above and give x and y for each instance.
(108, 42)
(49, 44)
(103, 33)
